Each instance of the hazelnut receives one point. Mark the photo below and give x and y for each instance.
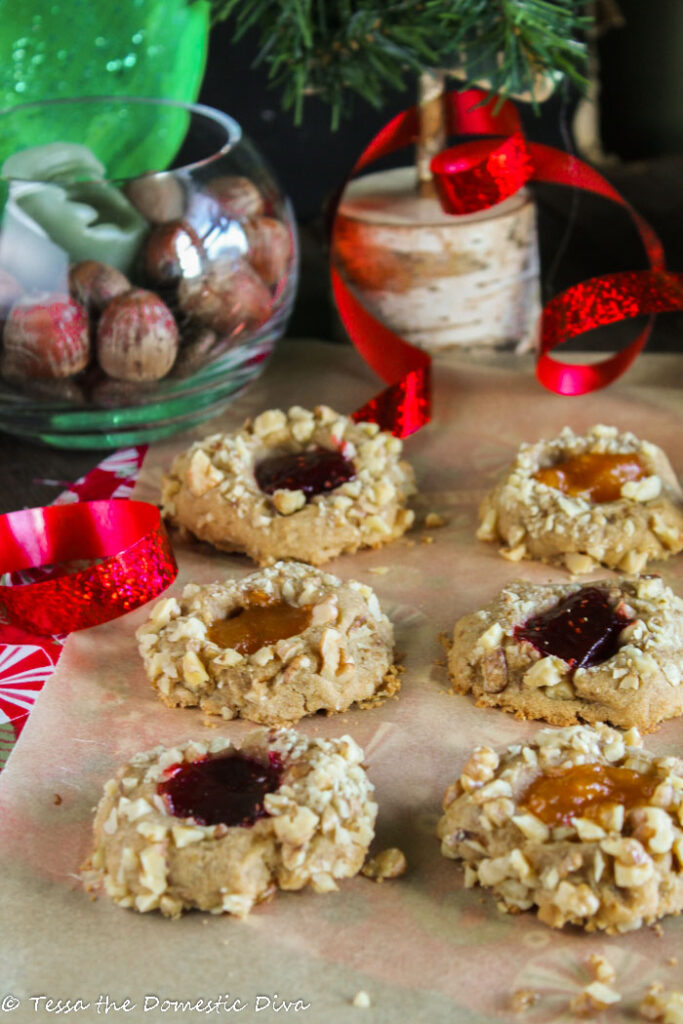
(173, 251)
(94, 284)
(231, 297)
(198, 347)
(137, 337)
(120, 394)
(46, 337)
(237, 196)
(270, 248)
(158, 197)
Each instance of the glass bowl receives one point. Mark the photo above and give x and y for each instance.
(148, 265)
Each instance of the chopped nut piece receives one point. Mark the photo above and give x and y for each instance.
(522, 999)
(661, 1005)
(287, 502)
(594, 998)
(515, 554)
(602, 969)
(433, 521)
(361, 1000)
(390, 863)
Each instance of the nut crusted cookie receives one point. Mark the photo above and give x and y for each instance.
(284, 642)
(537, 520)
(604, 651)
(312, 512)
(172, 831)
(579, 823)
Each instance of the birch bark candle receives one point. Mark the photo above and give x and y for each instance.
(438, 280)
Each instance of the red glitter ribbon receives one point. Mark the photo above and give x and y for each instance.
(136, 562)
(474, 176)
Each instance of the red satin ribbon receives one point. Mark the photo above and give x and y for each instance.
(474, 176)
(129, 537)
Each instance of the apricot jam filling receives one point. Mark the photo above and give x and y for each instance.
(263, 620)
(224, 790)
(314, 471)
(583, 629)
(595, 476)
(583, 789)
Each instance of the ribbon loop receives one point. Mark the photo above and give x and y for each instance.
(128, 537)
(475, 176)
(596, 303)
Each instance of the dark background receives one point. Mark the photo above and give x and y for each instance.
(641, 110)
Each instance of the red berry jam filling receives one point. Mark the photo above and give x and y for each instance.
(223, 790)
(314, 471)
(583, 629)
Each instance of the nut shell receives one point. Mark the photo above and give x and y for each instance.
(230, 298)
(237, 196)
(173, 251)
(94, 284)
(158, 197)
(46, 338)
(137, 337)
(270, 248)
(198, 347)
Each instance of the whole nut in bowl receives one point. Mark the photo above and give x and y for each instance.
(45, 337)
(135, 300)
(137, 337)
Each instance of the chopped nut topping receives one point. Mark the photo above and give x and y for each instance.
(610, 868)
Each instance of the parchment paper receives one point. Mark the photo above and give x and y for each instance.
(422, 947)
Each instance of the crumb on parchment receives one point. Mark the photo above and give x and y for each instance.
(390, 863)
(522, 999)
(661, 1005)
(593, 999)
(602, 969)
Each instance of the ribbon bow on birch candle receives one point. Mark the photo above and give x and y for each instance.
(476, 175)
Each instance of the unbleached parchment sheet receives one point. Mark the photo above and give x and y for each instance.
(423, 947)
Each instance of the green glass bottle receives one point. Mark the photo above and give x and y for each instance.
(67, 48)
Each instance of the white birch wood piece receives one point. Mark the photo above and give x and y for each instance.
(438, 280)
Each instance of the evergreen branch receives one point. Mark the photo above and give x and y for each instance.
(337, 48)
